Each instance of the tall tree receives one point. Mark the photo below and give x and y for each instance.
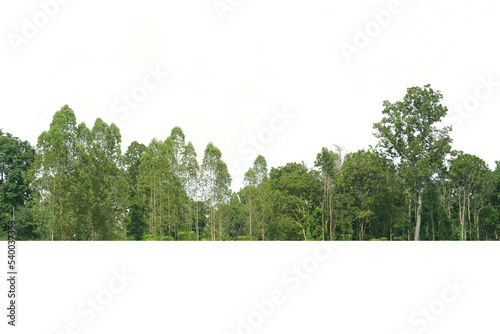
(192, 172)
(154, 170)
(216, 183)
(250, 183)
(408, 134)
(136, 224)
(55, 164)
(261, 180)
(328, 163)
(472, 183)
(296, 196)
(16, 158)
(108, 182)
(361, 173)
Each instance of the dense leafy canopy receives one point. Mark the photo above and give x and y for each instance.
(77, 185)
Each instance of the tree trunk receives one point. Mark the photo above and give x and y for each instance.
(409, 218)
(262, 216)
(250, 203)
(220, 222)
(197, 231)
(330, 207)
(468, 215)
(362, 210)
(419, 213)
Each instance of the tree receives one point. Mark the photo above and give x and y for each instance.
(16, 158)
(55, 163)
(192, 171)
(77, 185)
(108, 184)
(408, 134)
(472, 181)
(178, 147)
(136, 225)
(296, 197)
(216, 181)
(361, 172)
(328, 163)
(260, 170)
(78, 180)
(155, 174)
(492, 231)
(249, 183)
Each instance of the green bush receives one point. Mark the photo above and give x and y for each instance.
(243, 238)
(187, 236)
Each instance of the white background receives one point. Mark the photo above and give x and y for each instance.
(190, 287)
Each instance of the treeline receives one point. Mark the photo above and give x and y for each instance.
(78, 185)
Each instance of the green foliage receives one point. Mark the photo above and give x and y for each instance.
(16, 158)
(187, 236)
(408, 135)
(78, 185)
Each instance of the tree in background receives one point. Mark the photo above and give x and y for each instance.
(493, 226)
(16, 158)
(192, 185)
(136, 223)
(56, 167)
(297, 197)
(256, 186)
(249, 187)
(216, 183)
(328, 163)
(408, 135)
(108, 182)
(78, 180)
(472, 186)
(77, 185)
(159, 186)
(361, 172)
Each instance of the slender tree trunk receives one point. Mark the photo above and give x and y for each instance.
(409, 217)
(419, 213)
(161, 214)
(250, 206)
(60, 217)
(449, 203)
(154, 203)
(262, 216)
(220, 222)
(462, 219)
(52, 221)
(432, 223)
(468, 215)
(212, 213)
(362, 219)
(324, 206)
(330, 206)
(197, 231)
(477, 224)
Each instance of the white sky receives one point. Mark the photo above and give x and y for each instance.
(227, 76)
